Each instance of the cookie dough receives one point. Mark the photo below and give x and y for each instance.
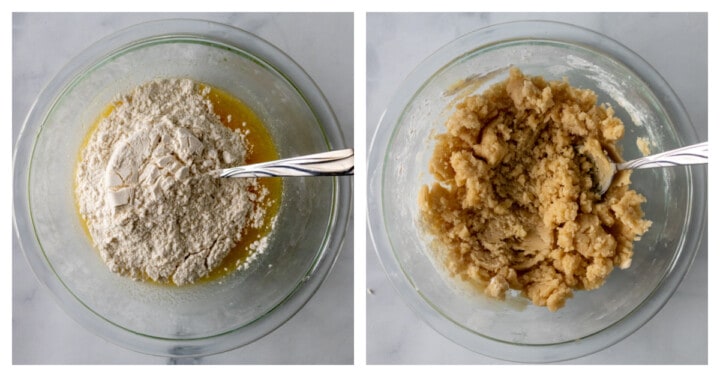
(643, 145)
(514, 205)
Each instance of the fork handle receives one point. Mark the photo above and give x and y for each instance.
(689, 155)
(337, 162)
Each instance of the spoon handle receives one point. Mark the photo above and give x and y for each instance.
(689, 155)
(338, 162)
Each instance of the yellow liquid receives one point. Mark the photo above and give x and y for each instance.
(261, 148)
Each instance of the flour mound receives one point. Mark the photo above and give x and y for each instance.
(142, 186)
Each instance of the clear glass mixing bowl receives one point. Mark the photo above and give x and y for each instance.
(398, 166)
(204, 318)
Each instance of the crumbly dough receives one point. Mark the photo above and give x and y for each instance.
(514, 205)
(643, 145)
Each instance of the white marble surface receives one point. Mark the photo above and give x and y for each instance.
(676, 45)
(322, 332)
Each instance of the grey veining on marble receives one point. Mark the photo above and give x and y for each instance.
(322, 332)
(675, 45)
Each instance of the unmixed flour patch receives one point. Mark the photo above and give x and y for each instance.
(143, 188)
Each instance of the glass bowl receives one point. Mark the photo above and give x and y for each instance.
(515, 329)
(204, 318)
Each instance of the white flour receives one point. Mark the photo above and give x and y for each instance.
(141, 187)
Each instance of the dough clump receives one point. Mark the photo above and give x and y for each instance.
(514, 205)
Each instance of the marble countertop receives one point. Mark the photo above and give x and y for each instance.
(322, 332)
(676, 45)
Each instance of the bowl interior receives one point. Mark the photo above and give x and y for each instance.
(202, 310)
(405, 170)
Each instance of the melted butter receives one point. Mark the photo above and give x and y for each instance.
(234, 114)
(261, 148)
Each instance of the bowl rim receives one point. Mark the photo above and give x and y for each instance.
(248, 45)
(415, 81)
